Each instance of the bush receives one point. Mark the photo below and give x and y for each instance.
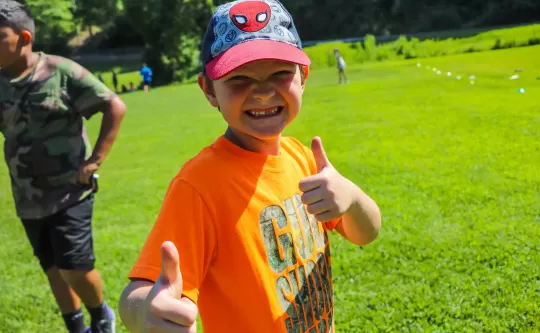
(370, 46)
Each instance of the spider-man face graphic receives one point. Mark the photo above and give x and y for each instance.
(250, 16)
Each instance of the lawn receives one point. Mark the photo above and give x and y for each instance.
(453, 166)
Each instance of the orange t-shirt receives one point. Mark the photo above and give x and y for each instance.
(251, 257)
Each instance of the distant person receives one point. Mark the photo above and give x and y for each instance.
(124, 89)
(115, 81)
(131, 87)
(44, 100)
(341, 67)
(146, 74)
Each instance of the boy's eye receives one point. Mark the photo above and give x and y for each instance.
(238, 78)
(280, 73)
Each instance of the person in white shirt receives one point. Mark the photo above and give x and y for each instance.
(341, 67)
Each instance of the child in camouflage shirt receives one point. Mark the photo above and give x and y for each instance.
(43, 100)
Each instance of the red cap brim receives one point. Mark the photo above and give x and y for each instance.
(253, 50)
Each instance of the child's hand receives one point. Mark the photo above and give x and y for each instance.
(165, 310)
(328, 195)
(86, 171)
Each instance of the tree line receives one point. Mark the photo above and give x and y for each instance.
(169, 31)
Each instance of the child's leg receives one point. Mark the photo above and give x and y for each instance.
(74, 256)
(38, 232)
(342, 77)
(147, 86)
(67, 300)
(65, 296)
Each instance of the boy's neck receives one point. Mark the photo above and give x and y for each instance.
(253, 144)
(23, 65)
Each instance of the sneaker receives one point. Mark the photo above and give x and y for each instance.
(107, 325)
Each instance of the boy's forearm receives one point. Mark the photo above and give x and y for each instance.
(131, 301)
(110, 125)
(362, 222)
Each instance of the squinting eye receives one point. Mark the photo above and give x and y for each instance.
(238, 78)
(280, 73)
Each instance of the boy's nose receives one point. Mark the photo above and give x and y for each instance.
(263, 92)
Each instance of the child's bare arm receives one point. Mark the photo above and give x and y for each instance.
(362, 221)
(160, 307)
(131, 303)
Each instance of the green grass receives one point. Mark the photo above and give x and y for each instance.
(453, 167)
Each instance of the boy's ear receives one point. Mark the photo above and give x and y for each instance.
(306, 72)
(27, 37)
(208, 89)
(305, 76)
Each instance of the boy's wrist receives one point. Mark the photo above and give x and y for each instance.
(96, 159)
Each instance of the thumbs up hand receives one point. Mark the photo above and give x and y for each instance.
(327, 195)
(165, 310)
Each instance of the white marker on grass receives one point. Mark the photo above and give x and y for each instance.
(458, 77)
(449, 74)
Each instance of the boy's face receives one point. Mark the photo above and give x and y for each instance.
(10, 48)
(258, 100)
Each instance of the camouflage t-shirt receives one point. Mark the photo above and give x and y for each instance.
(41, 118)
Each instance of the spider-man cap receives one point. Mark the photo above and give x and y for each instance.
(244, 31)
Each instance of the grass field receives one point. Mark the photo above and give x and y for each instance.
(454, 168)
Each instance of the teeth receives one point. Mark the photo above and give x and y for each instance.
(264, 113)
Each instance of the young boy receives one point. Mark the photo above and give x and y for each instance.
(246, 219)
(341, 67)
(146, 74)
(43, 100)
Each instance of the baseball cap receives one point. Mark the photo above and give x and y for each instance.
(244, 31)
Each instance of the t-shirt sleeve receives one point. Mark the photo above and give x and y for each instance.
(313, 169)
(185, 220)
(86, 92)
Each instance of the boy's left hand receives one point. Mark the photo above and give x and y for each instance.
(87, 171)
(328, 195)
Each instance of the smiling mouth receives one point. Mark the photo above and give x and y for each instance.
(263, 113)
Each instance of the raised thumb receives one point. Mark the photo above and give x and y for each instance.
(170, 266)
(320, 155)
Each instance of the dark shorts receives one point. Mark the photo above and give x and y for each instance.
(147, 83)
(64, 239)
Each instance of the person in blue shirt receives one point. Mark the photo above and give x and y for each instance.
(146, 74)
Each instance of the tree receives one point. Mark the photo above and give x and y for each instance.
(172, 31)
(54, 22)
(95, 12)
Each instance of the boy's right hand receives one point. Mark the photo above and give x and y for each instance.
(165, 310)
